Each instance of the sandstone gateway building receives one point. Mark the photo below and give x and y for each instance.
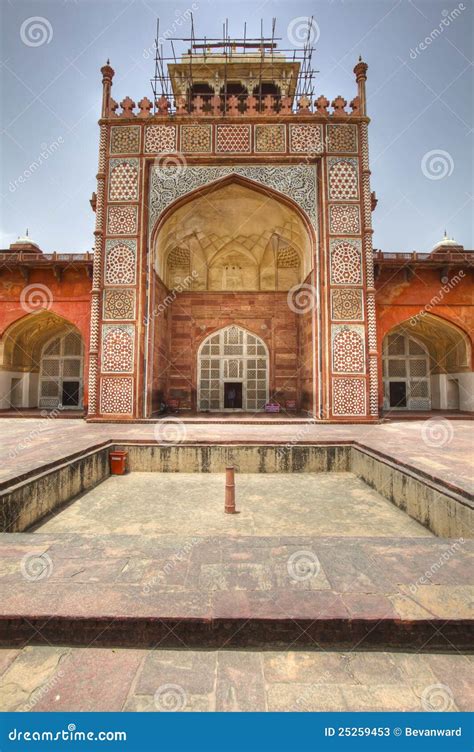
(233, 264)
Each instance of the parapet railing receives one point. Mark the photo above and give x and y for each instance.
(45, 257)
(449, 256)
(233, 106)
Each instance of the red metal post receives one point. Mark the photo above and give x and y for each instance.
(229, 491)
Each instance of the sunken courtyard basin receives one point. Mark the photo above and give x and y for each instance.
(295, 490)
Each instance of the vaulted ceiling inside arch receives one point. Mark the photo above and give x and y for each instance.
(233, 238)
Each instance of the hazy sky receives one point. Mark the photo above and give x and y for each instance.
(420, 102)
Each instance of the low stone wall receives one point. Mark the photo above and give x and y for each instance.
(181, 458)
(445, 513)
(27, 502)
(442, 511)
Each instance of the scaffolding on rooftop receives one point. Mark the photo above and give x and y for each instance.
(263, 52)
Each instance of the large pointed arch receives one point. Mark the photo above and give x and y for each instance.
(199, 219)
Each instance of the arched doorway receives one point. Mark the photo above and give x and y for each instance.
(426, 366)
(233, 371)
(61, 372)
(406, 373)
(41, 363)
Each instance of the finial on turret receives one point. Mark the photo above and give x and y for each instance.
(107, 76)
(360, 71)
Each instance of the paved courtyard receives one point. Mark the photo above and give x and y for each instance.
(319, 595)
(104, 679)
(192, 504)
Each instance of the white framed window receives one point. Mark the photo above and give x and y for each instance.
(61, 372)
(233, 371)
(406, 373)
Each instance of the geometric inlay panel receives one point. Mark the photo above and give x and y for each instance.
(345, 263)
(306, 138)
(160, 138)
(348, 350)
(348, 396)
(120, 262)
(117, 348)
(123, 180)
(270, 138)
(343, 178)
(297, 181)
(344, 219)
(196, 139)
(122, 220)
(346, 304)
(342, 138)
(119, 303)
(125, 139)
(233, 139)
(116, 396)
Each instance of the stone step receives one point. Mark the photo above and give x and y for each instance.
(236, 591)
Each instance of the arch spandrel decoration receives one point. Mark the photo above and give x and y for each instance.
(297, 181)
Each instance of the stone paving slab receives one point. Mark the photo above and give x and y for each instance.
(224, 590)
(438, 447)
(47, 678)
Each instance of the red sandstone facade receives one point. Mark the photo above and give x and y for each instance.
(329, 317)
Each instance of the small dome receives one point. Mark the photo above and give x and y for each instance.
(447, 244)
(25, 243)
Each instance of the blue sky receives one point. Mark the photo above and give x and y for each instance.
(420, 102)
